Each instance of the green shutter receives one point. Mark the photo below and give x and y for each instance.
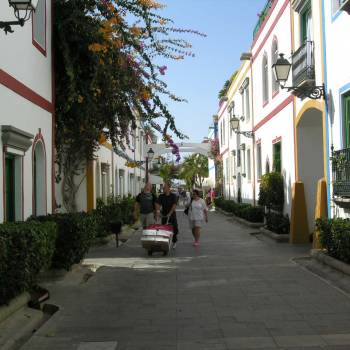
(10, 189)
(347, 120)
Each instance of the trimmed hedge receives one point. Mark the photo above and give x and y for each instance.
(243, 210)
(277, 223)
(75, 234)
(26, 248)
(335, 237)
(115, 210)
(271, 192)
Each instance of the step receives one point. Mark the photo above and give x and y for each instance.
(19, 327)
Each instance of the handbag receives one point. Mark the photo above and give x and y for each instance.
(187, 209)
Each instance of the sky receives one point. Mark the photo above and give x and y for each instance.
(229, 26)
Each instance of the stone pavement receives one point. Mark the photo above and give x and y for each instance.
(238, 290)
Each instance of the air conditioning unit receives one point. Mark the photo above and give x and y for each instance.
(345, 6)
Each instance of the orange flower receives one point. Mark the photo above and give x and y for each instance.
(136, 31)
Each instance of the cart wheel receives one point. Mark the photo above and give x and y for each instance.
(165, 253)
(150, 252)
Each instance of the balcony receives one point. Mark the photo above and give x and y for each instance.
(345, 6)
(263, 14)
(303, 65)
(341, 172)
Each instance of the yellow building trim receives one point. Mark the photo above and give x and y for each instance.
(107, 145)
(311, 104)
(90, 186)
(236, 84)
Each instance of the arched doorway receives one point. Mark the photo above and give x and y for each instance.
(310, 156)
(39, 179)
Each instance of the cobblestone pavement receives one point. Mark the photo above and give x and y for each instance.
(236, 291)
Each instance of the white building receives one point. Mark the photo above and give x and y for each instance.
(113, 172)
(337, 80)
(289, 134)
(26, 118)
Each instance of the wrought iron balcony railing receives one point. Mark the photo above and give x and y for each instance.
(341, 172)
(303, 65)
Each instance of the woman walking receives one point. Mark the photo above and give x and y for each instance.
(197, 214)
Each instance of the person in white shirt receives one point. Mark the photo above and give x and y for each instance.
(198, 212)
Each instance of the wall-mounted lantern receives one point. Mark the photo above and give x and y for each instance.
(22, 10)
(282, 69)
(234, 123)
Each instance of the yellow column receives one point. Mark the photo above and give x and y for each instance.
(299, 230)
(321, 209)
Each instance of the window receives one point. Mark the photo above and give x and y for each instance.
(258, 161)
(336, 5)
(277, 163)
(234, 163)
(39, 180)
(306, 24)
(346, 118)
(274, 57)
(39, 26)
(13, 187)
(249, 174)
(247, 104)
(244, 90)
(227, 171)
(223, 132)
(265, 79)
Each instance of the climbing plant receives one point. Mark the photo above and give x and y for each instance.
(106, 75)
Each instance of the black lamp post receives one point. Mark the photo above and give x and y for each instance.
(234, 123)
(149, 158)
(282, 69)
(22, 10)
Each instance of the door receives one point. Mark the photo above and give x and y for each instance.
(10, 188)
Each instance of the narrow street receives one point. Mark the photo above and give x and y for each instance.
(236, 291)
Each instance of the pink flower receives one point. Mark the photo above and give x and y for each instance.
(162, 70)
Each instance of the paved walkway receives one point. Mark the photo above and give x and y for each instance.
(236, 291)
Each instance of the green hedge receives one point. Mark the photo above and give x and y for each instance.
(271, 191)
(243, 210)
(116, 209)
(335, 237)
(75, 234)
(26, 248)
(278, 223)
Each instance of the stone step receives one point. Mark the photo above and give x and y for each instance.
(18, 327)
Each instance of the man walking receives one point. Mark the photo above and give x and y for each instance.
(146, 205)
(167, 202)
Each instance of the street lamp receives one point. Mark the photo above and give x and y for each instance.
(234, 123)
(281, 69)
(149, 158)
(22, 10)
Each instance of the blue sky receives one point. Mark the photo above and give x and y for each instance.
(229, 27)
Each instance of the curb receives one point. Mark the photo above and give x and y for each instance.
(14, 305)
(320, 256)
(247, 223)
(279, 238)
(240, 220)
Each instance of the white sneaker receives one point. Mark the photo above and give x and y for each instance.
(174, 245)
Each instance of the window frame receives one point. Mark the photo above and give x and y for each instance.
(36, 44)
(258, 161)
(276, 143)
(265, 79)
(274, 57)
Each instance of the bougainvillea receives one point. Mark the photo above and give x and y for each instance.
(106, 77)
(174, 147)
